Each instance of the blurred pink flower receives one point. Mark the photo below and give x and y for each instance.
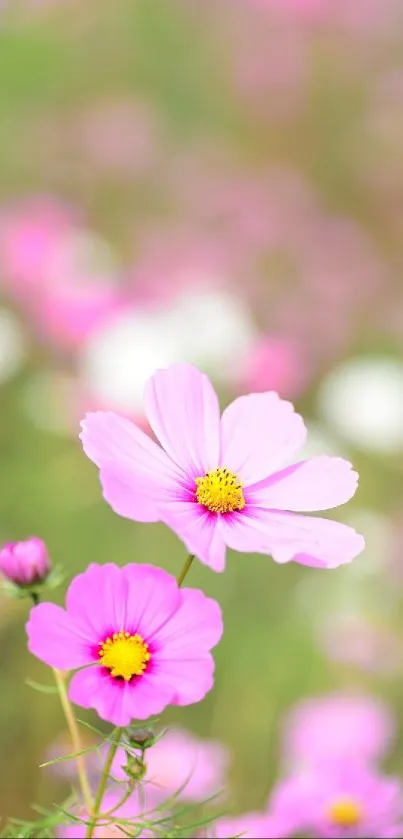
(356, 640)
(253, 825)
(131, 668)
(352, 727)
(132, 810)
(341, 799)
(59, 272)
(179, 762)
(25, 563)
(216, 481)
(274, 364)
(118, 136)
(29, 234)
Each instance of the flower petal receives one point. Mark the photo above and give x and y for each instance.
(182, 409)
(190, 679)
(287, 536)
(135, 472)
(198, 529)
(96, 600)
(194, 629)
(317, 484)
(260, 432)
(55, 638)
(115, 701)
(152, 597)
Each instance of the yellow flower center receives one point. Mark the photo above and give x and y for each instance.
(124, 655)
(220, 491)
(345, 813)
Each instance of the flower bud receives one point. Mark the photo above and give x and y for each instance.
(25, 563)
(141, 738)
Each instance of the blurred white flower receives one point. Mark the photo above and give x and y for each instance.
(208, 328)
(363, 401)
(12, 345)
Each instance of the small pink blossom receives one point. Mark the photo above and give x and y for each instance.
(341, 799)
(25, 563)
(253, 825)
(132, 810)
(337, 726)
(220, 483)
(181, 763)
(143, 643)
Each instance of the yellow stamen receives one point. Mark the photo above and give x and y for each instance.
(345, 813)
(220, 491)
(124, 655)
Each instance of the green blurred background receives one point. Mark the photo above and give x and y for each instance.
(317, 95)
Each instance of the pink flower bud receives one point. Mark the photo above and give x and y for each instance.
(25, 563)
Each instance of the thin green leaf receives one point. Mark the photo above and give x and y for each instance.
(41, 688)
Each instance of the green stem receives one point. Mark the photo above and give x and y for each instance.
(103, 782)
(75, 738)
(187, 566)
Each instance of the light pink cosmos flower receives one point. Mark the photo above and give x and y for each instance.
(132, 810)
(25, 563)
(181, 763)
(252, 825)
(220, 483)
(342, 799)
(337, 727)
(143, 643)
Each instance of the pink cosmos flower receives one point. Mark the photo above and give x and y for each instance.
(25, 563)
(108, 829)
(143, 643)
(220, 483)
(342, 799)
(181, 761)
(252, 825)
(337, 726)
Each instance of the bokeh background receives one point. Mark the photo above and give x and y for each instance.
(219, 181)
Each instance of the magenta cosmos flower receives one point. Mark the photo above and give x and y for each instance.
(143, 642)
(218, 483)
(342, 799)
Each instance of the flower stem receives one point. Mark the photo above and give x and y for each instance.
(186, 567)
(103, 782)
(75, 738)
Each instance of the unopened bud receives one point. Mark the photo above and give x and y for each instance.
(25, 563)
(135, 767)
(141, 738)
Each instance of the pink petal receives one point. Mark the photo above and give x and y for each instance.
(317, 484)
(118, 702)
(260, 432)
(55, 638)
(152, 597)
(149, 696)
(287, 536)
(198, 529)
(189, 679)
(194, 629)
(182, 409)
(135, 472)
(96, 600)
